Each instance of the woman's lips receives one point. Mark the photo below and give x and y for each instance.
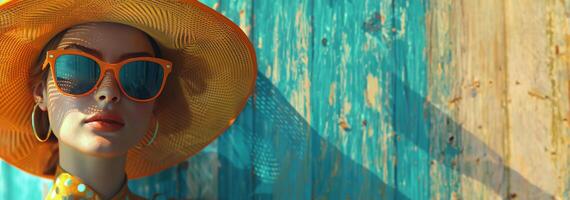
(108, 122)
(104, 126)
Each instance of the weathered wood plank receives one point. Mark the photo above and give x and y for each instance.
(538, 93)
(281, 34)
(558, 31)
(478, 98)
(494, 49)
(352, 103)
(411, 121)
(529, 90)
(466, 56)
(444, 133)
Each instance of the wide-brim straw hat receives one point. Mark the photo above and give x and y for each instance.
(213, 75)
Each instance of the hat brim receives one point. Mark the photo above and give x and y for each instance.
(214, 74)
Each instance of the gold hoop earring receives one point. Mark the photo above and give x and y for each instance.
(151, 139)
(153, 135)
(34, 126)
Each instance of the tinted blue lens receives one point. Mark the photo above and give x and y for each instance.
(141, 79)
(76, 74)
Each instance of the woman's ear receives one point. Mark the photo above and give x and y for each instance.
(39, 93)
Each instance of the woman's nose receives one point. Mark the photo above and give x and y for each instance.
(108, 90)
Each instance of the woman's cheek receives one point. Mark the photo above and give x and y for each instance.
(58, 108)
(70, 127)
(139, 116)
(65, 115)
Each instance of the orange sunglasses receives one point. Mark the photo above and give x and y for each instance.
(139, 89)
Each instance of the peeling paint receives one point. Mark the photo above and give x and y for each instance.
(332, 94)
(536, 94)
(372, 93)
(275, 77)
(244, 22)
(374, 23)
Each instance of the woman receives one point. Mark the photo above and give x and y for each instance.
(119, 89)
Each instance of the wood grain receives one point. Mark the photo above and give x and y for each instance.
(538, 92)
(352, 108)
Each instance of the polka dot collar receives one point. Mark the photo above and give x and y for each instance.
(67, 186)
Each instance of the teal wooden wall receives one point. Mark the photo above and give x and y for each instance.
(383, 99)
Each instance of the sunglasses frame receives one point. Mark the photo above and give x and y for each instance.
(52, 56)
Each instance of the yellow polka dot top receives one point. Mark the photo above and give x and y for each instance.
(67, 186)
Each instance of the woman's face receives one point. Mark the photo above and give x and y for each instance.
(68, 115)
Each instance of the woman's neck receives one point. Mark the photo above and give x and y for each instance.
(104, 175)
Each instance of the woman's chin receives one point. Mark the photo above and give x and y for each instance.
(101, 147)
(98, 143)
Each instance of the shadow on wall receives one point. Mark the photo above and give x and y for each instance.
(282, 157)
(272, 152)
(280, 154)
(459, 138)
